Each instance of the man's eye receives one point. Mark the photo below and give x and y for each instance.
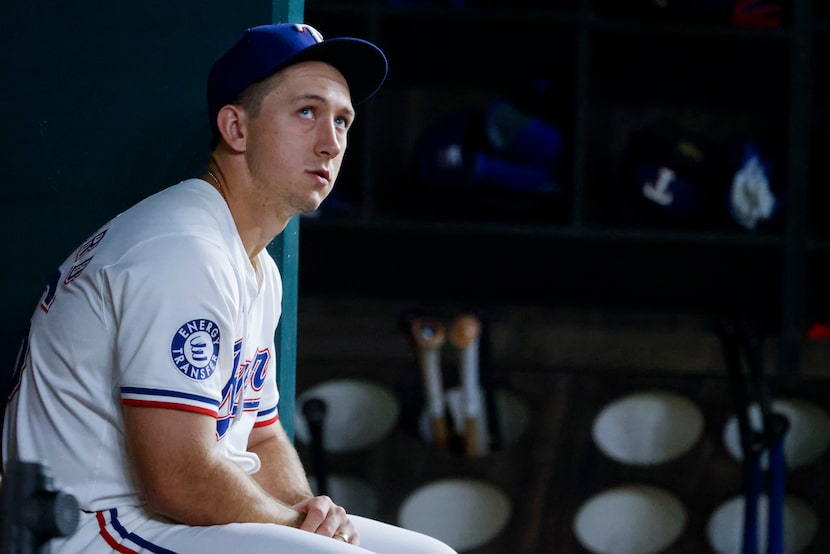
(306, 112)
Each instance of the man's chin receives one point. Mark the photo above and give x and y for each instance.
(308, 205)
(313, 207)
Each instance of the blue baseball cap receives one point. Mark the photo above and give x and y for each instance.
(265, 49)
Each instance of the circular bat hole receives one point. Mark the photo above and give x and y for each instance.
(464, 513)
(807, 438)
(725, 527)
(649, 427)
(511, 410)
(358, 414)
(632, 519)
(350, 492)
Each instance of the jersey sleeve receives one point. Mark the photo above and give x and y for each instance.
(175, 300)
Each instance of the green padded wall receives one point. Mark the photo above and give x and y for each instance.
(102, 104)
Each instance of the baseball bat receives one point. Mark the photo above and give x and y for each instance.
(465, 334)
(488, 383)
(314, 410)
(429, 335)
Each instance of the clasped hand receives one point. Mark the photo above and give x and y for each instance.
(324, 517)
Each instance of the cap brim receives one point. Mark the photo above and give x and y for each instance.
(362, 64)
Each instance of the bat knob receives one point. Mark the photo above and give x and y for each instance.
(428, 332)
(465, 329)
(314, 410)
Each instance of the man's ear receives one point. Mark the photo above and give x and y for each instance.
(232, 122)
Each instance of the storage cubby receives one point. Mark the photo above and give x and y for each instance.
(601, 73)
(691, 86)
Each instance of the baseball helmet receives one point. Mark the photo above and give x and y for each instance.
(674, 175)
(496, 148)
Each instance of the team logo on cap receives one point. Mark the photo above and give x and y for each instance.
(303, 28)
(195, 348)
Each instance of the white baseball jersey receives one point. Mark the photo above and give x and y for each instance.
(159, 307)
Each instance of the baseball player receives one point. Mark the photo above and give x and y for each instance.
(147, 381)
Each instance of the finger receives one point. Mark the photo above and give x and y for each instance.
(315, 515)
(348, 533)
(335, 519)
(323, 516)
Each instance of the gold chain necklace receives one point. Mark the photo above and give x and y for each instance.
(218, 185)
(222, 192)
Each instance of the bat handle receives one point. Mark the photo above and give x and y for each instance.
(429, 335)
(471, 446)
(434, 389)
(314, 410)
(465, 334)
(493, 442)
(440, 432)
